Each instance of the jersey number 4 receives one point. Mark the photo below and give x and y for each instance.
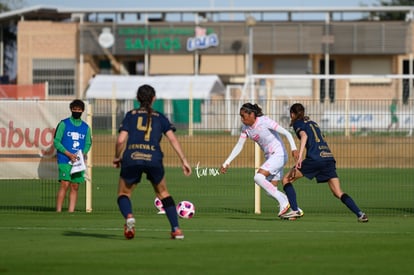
(146, 128)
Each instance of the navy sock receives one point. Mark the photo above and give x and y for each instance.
(349, 202)
(124, 204)
(171, 212)
(291, 194)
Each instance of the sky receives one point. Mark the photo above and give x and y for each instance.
(198, 3)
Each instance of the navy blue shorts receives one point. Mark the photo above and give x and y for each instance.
(133, 174)
(321, 170)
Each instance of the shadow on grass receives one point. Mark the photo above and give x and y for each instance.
(27, 208)
(105, 236)
(406, 211)
(92, 235)
(234, 210)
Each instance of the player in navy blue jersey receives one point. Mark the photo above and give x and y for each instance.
(138, 151)
(319, 163)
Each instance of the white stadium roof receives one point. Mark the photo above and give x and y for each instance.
(166, 87)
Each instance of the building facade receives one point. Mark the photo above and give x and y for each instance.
(67, 48)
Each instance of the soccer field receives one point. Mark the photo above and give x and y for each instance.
(385, 192)
(224, 237)
(81, 243)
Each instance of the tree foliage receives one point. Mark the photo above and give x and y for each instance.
(8, 5)
(394, 15)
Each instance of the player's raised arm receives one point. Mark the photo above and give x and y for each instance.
(177, 147)
(119, 148)
(289, 137)
(234, 153)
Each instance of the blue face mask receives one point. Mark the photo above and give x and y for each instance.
(76, 115)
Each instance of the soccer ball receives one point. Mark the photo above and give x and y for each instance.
(185, 209)
(158, 205)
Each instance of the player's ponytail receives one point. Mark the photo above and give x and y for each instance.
(145, 96)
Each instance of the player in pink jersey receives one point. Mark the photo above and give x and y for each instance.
(265, 132)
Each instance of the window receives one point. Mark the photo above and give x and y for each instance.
(59, 73)
(366, 66)
(406, 81)
(292, 87)
(331, 81)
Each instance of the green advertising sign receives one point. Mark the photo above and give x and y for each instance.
(166, 39)
(142, 44)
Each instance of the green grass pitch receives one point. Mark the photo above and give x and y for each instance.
(224, 237)
(81, 243)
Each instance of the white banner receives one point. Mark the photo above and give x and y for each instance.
(366, 119)
(27, 130)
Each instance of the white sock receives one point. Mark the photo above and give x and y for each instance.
(260, 180)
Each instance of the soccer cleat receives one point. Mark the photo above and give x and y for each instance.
(292, 215)
(177, 235)
(129, 228)
(363, 218)
(283, 210)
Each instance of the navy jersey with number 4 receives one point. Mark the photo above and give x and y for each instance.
(143, 145)
(316, 146)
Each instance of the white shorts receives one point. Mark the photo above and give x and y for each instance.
(274, 165)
